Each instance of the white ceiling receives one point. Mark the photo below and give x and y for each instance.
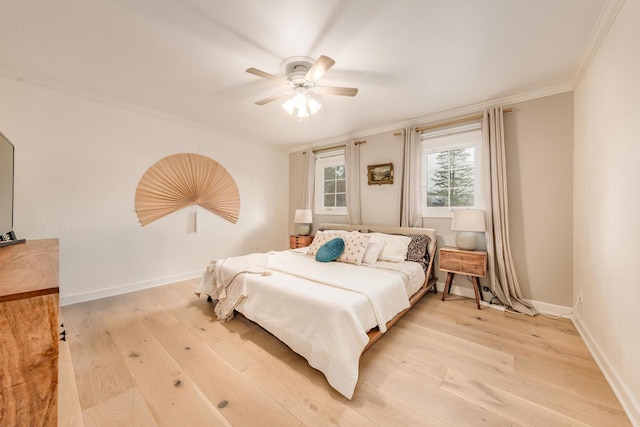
(187, 58)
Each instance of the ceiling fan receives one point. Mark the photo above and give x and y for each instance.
(301, 75)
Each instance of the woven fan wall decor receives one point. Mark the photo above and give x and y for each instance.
(186, 179)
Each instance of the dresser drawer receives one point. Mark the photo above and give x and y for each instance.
(473, 263)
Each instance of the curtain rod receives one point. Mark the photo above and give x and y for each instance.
(334, 147)
(456, 121)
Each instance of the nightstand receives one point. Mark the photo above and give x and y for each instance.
(471, 263)
(299, 241)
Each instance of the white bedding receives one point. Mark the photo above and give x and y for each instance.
(321, 310)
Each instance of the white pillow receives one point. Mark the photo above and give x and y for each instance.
(395, 249)
(375, 246)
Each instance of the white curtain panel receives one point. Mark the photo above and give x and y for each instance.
(352, 166)
(410, 213)
(309, 181)
(502, 273)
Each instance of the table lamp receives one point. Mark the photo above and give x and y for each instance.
(304, 219)
(468, 223)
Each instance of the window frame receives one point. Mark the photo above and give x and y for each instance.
(323, 161)
(436, 142)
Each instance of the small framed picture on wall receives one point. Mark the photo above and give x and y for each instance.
(380, 174)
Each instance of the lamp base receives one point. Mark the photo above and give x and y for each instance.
(467, 240)
(304, 229)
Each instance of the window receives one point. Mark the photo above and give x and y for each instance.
(330, 184)
(451, 170)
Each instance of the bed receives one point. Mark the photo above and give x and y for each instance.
(328, 312)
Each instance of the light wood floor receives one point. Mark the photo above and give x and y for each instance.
(158, 357)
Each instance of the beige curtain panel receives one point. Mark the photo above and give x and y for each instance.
(183, 180)
(352, 162)
(410, 211)
(502, 271)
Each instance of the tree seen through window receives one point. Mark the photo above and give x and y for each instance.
(451, 178)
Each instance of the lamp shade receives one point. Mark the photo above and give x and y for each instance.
(468, 220)
(303, 216)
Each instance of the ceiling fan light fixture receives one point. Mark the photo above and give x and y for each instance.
(300, 100)
(303, 112)
(302, 103)
(314, 106)
(288, 106)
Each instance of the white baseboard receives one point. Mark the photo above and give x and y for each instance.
(628, 401)
(551, 309)
(104, 293)
(542, 307)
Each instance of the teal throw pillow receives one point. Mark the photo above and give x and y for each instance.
(331, 250)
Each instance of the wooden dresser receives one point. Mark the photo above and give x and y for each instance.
(29, 334)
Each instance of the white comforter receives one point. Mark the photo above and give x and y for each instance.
(321, 310)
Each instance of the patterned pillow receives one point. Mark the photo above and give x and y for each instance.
(323, 237)
(418, 250)
(355, 246)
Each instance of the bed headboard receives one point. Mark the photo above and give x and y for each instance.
(387, 229)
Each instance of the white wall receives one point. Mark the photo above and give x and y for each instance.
(607, 205)
(78, 162)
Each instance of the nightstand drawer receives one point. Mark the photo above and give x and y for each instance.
(464, 262)
(299, 241)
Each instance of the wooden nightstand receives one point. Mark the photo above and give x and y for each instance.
(299, 241)
(471, 263)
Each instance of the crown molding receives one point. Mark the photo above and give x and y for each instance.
(92, 96)
(603, 25)
(443, 115)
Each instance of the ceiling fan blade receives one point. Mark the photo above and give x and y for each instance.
(266, 75)
(335, 90)
(272, 98)
(321, 66)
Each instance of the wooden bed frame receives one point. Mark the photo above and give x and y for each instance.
(429, 281)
